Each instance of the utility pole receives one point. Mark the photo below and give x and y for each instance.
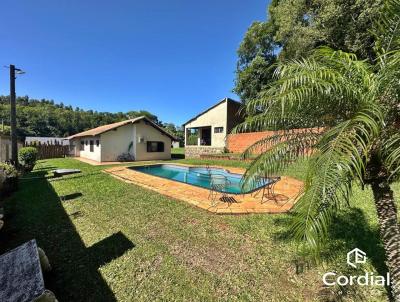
(13, 115)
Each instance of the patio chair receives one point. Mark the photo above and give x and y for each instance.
(266, 186)
(218, 185)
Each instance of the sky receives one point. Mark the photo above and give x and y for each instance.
(173, 58)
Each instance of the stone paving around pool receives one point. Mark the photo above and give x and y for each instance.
(287, 191)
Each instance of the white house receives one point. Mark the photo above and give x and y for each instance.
(139, 137)
(175, 144)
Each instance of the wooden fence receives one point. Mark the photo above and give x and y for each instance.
(46, 151)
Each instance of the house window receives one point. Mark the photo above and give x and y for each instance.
(86, 143)
(97, 142)
(218, 129)
(91, 146)
(192, 137)
(82, 146)
(155, 147)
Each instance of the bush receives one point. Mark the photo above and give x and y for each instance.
(8, 179)
(27, 157)
(8, 170)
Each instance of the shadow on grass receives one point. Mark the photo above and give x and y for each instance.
(35, 211)
(68, 177)
(352, 229)
(70, 196)
(349, 229)
(177, 156)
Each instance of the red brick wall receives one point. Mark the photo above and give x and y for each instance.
(237, 143)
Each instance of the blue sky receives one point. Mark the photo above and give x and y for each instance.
(173, 58)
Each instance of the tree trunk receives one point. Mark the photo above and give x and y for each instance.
(390, 231)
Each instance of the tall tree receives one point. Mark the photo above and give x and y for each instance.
(359, 104)
(174, 130)
(302, 25)
(256, 56)
(294, 28)
(45, 118)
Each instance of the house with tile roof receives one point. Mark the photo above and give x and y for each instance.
(133, 139)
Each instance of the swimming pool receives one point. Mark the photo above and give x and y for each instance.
(200, 176)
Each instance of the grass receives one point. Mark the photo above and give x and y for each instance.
(108, 240)
(178, 153)
(178, 150)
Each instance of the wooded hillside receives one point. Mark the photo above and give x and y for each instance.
(47, 118)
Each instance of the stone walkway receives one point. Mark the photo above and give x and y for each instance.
(287, 190)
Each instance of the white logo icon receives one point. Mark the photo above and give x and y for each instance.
(355, 257)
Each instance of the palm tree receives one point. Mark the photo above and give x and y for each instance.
(355, 105)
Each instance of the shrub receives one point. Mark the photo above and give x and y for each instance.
(8, 170)
(27, 157)
(8, 179)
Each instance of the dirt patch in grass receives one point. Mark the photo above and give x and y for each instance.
(223, 253)
(211, 258)
(222, 226)
(147, 268)
(191, 221)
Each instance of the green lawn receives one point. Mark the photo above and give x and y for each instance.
(108, 240)
(178, 152)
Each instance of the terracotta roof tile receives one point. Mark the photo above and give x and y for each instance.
(105, 128)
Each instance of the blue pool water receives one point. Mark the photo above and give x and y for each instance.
(198, 176)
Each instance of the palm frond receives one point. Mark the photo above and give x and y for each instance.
(358, 98)
(342, 157)
(272, 120)
(327, 188)
(391, 155)
(315, 81)
(279, 151)
(387, 28)
(388, 74)
(351, 139)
